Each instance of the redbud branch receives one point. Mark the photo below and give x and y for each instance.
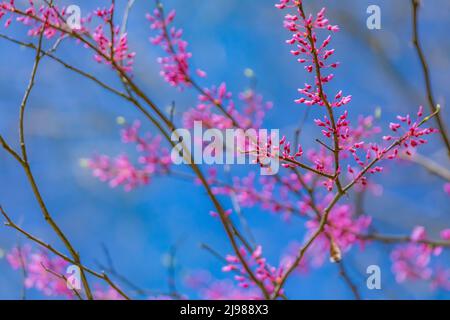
(10, 223)
(214, 101)
(323, 97)
(306, 167)
(226, 222)
(223, 259)
(312, 203)
(111, 27)
(189, 79)
(306, 246)
(23, 104)
(125, 78)
(386, 151)
(171, 272)
(336, 198)
(26, 166)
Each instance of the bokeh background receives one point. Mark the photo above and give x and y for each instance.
(69, 119)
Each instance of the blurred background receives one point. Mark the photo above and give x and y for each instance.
(69, 119)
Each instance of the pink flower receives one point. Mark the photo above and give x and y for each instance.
(445, 234)
(113, 50)
(120, 171)
(37, 277)
(17, 257)
(441, 279)
(342, 228)
(267, 275)
(411, 262)
(312, 53)
(175, 66)
(418, 234)
(447, 188)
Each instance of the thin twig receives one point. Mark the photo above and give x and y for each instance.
(426, 73)
(344, 274)
(10, 223)
(63, 278)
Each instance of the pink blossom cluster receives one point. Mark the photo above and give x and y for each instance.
(39, 18)
(312, 53)
(48, 274)
(254, 109)
(111, 47)
(413, 136)
(153, 159)
(447, 188)
(175, 70)
(203, 111)
(342, 228)
(405, 141)
(267, 275)
(292, 193)
(112, 44)
(37, 277)
(412, 261)
(175, 66)
(251, 112)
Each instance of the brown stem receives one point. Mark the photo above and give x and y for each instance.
(426, 73)
(324, 99)
(26, 166)
(10, 223)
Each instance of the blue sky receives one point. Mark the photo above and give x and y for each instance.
(70, 119)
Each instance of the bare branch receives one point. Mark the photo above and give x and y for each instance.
(10, 223)
(426, 73)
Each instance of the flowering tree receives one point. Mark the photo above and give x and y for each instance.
(315, 184)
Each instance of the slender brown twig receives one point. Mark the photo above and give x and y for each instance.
(344, 274)
(26, 166)
(10, 223)
(426, 73)
(63, 278)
